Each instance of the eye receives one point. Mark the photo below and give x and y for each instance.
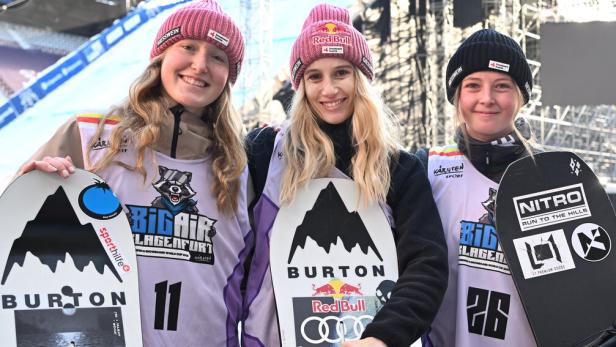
(313, 77)
(504, 86)
(188, 47)
(221, 58)
(471, 85)
(342, 73)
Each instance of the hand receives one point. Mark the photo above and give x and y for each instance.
(62, 166)
(367, 342)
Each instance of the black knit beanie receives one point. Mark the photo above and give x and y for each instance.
(489, 50)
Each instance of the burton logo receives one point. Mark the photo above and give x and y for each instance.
(50, 241)
(328, 221)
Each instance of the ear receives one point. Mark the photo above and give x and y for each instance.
(162, 170)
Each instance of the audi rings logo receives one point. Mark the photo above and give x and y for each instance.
(323, 326)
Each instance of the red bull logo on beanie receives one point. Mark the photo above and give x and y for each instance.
(331, 33)
(331, 29)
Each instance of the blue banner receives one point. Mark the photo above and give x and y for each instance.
(69, 66)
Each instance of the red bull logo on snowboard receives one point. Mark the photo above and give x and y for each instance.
(337, 289)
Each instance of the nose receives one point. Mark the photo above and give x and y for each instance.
(329, 87)
(486, 96)
(199, 63)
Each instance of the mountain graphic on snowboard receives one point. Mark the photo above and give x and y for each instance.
(329, 220)
(54, 232)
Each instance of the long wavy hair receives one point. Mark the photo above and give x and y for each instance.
(141, 117)
(309, 152)
(528, 144)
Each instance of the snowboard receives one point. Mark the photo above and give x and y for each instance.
(68, 264)
(333, 264)
(557, 228)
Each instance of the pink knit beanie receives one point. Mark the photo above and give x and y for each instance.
(203, 20)
(327, 32)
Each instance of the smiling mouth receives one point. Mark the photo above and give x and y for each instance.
(333, 104)
(194, 81)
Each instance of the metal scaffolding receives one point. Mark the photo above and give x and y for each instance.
(257, 31)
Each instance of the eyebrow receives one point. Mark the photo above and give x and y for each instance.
(496, 80)
(343, 66)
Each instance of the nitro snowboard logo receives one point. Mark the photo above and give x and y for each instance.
(591, 242)
(172, 226)
(551, 207)
(543, 254)
(479, 247)
(56, 232)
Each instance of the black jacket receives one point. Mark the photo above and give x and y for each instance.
(418, 233)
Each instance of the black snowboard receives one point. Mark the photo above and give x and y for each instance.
(557, 226)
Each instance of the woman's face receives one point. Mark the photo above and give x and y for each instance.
(330, 89)
(194, 73)
(488, 104)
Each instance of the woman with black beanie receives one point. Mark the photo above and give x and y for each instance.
(488, 80)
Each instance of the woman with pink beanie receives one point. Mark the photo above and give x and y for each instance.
(173, 154)
(339, 128)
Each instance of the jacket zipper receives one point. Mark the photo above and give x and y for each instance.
(177, 115)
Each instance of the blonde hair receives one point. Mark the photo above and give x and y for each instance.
(309, 152)
(528, 144)
(142, 116)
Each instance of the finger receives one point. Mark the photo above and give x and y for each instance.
(27, 167)
(43, 166)
(71, 167)
(61, 164)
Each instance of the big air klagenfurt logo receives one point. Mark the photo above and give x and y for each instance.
(171, 227)
(479, 246)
